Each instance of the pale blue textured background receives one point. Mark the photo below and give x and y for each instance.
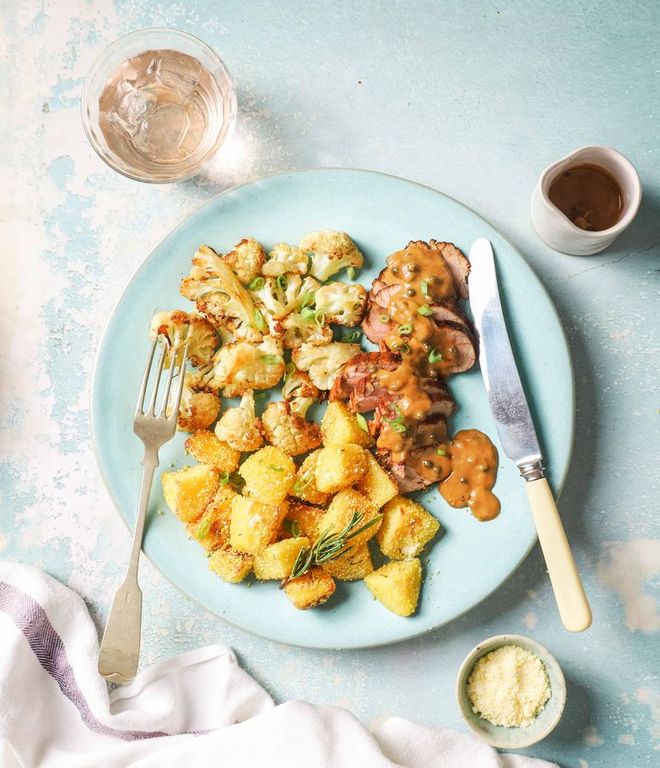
(472, 98)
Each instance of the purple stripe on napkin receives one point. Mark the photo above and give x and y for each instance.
(49, 649)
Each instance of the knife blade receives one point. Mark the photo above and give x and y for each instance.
(515, 428)
(506, 395)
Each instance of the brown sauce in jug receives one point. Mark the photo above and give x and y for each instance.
(588, 195)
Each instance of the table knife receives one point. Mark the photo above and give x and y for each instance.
(518, 435)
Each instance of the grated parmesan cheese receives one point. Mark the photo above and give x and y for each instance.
(508, 686)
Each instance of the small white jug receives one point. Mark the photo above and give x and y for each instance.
(557, 230)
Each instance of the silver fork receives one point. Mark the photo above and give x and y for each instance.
(120, 646)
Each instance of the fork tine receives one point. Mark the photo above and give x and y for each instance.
(152, 403)
(174, 353)
(177, 399)
(139, 408)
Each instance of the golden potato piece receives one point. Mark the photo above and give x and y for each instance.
(254, 523)
(396, 585)
(269, 474)
(212, 529)
(311, 589)
(354, 564)
(230, 565)
(376, 484)
(276, 560)
(204, 446)
(339, 426)
(304, 486)
(305, 517)
(342, 508)
(339, 466)
(406, 528)
(187, 491)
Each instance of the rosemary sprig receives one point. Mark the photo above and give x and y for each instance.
(329, 546)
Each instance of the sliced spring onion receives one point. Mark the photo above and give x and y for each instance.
(361, 422)
(397, 426)
(405, 330)
(308, 314)
(203, 528)
(351, 337)
(281, 281)
(352, 273)
(435, 356)
(384, 318)
(424, 310)
(224, 478)
(271, 359)
(441, 451)
(259, 321)
(424, 287)
(307, 299)
(257, 283)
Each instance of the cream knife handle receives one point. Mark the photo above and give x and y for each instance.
(566, 583)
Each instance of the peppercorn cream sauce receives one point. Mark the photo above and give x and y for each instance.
(427, 351)
(473, 474)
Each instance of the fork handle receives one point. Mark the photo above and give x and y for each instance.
(120, 647)
(564, 576)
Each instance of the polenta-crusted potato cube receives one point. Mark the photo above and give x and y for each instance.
(406, 528)
(276, 561)
(354, 564)
(304, 486)
(303, 520)
(207, 449)
(269, 474)
(188, 491)
(311, 589)
(230, 565)
(339, 466)
(344, 506)
(212, 529)
(396, 585)
(254, 523)
(376, 484)
(339, 426)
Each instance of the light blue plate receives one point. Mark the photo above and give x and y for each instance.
(382, 213)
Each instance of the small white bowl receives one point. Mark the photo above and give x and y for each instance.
(557, 230)
(544, 723)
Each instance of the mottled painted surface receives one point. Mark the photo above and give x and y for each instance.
(469, 97)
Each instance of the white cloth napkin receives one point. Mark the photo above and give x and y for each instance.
(198, 709)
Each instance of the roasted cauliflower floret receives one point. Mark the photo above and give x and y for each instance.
(246, 259)
(281, 295)
(240, 427)
(240, 367)
(199, 407)
(219, 295)
(285, 258)
(284, 422)
(301, 328)
(289, 430)
(341, 303)
(329, 252)
(299, 391)
(324, 363)
(180, 328)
